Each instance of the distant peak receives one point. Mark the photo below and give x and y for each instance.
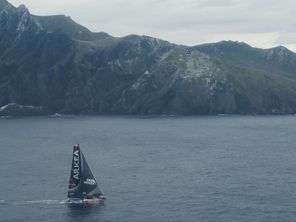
(22, 7)
(231, 42)
(280, 52)
(280, 48)
(57, 18)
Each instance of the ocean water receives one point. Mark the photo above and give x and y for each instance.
(205, 169)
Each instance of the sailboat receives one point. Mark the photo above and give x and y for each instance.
(83, 187)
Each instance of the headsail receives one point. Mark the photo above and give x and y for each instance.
(89, 186)
(82, 183)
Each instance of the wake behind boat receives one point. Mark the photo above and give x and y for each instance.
(83, 187)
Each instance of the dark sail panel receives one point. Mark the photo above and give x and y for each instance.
(89, 186)
(74, 189)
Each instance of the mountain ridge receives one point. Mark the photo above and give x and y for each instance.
(55, 63)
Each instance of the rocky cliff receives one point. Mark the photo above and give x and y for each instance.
(54, 63)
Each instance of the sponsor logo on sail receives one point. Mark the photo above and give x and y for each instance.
(76, 165)
(90, 182)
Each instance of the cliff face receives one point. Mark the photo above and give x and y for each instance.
(32, 60)
(55, 63)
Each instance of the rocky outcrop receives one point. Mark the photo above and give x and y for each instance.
(13, 109)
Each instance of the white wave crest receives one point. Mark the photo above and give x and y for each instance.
(46, 201)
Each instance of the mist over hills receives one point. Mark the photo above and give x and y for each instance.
(54, 65)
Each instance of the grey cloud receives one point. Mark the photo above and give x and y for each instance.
(286, 38)
(216, 3)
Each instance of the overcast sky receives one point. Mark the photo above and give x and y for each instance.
(260, 23)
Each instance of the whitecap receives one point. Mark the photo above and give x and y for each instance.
(45, 201)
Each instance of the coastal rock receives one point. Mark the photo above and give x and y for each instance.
(13, 109)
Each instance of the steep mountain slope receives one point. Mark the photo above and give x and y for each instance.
(65, 25)
(277, 60)
(32, 60)
(55, 63)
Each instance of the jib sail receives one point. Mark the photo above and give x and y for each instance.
(82, 183)
(89, 185)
